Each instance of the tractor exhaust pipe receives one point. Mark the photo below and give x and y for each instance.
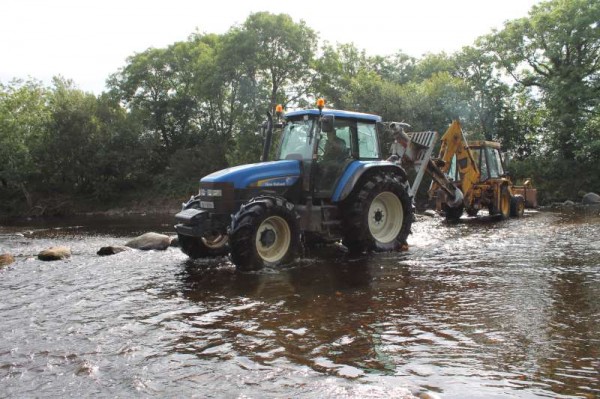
(268, 138)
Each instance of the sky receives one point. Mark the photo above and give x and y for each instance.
(87, 40)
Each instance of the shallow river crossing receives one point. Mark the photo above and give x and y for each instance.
(477, 309)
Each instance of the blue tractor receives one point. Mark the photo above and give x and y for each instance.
(329, 182)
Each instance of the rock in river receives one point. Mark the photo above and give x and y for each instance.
(111, 250)
(590, 198)
(6, 259)
(150, 241)
(55, 253)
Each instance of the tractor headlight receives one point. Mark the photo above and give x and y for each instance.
(210, 192)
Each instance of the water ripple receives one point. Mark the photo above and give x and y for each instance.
(494, 308)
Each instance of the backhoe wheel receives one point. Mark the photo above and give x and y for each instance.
(504, 205)
(264, 233)
(378, 215)
(472, 212)
(517, 206)
(204, 247)
(453, 213)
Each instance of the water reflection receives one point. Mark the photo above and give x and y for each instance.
(316, 313)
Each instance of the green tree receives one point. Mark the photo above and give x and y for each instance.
(557, 50)
(23, 121)
(336, 68)
(399, 68)
(432, 64)
(146, 85)
(279, 52)
(67, 153)
(488, 94)
(433, 103)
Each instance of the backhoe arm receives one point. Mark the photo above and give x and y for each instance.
(454, 143)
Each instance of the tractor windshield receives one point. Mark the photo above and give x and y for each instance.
(494, 162)
(490, 162)
(295, 140)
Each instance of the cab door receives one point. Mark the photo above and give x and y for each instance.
(332, 158)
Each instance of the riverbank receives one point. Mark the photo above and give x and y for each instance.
(152, 204)
(76, 207)
(165, 205)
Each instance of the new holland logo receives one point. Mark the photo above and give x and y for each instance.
(278, 182)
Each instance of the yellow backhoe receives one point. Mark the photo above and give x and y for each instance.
(471, 177)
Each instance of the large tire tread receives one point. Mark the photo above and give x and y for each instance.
(195, 248)
(453, 214)
(357, 237)
(245, 223)
(517, 206)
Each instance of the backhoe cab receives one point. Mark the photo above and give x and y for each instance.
(476, 171)
(329, 182)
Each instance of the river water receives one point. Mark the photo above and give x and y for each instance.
(478, 309)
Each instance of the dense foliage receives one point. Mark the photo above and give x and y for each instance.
(174, 114)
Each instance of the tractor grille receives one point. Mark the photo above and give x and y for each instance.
(217, 197)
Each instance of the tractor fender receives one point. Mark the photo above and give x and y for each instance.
(356, 170)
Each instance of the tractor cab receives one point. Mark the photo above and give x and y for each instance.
(487, 162)
(327, 142)
(488, 157)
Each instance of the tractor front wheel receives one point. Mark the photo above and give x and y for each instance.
(264, 233)
(203, 247)
(378, 215)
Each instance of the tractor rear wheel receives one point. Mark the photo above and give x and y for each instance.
(379, 214)
(264, 233)
(203, 247)
(517, 206)
(502, 208)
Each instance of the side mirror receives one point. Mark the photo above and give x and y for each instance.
(327, 122)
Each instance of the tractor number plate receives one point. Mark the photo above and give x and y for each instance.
(207, 204)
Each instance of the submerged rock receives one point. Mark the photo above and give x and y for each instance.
(590, 198)
(150, 241)
(6, 259)
(175, 241)
(55, 253)
(111, 250)
(430, 213)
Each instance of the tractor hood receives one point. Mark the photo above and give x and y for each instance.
(265, 174)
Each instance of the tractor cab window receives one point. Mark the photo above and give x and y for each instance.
(494, 162)
(483, 165)
(335, 145)
(295, 140)
(334, 152)
(367, 141)
(452, 171)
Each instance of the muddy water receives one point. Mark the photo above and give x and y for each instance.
(477, 309)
